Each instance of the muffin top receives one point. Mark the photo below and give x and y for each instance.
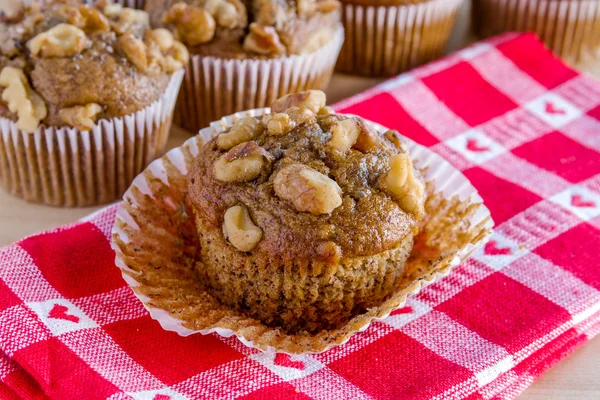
(304, 182)
(253, 28)
(70, 64)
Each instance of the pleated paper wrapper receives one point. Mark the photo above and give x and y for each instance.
(214, 87)
(387, 40)
(570, 28)
(156, 247)
(72, 168)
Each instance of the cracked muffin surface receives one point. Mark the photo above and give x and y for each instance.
(70, 64)
(305, 217)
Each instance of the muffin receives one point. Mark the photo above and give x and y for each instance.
(305, 218)
(386, 37)
(86, 100)
(568, 27)
(247, 54)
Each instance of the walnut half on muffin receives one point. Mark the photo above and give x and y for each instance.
(305, 217)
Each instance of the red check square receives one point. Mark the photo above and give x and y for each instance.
(473, 99)
(532, 58)
(61, 373)
(505, 312)
(571, 250)
(166, 355)
(63, 258)
(565, 157)
(503, 198)
(413, 373)
(395, 117)
(7, 297)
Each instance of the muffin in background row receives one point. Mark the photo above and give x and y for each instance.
(86, 100)
(387, 37)
(568, 27)
(305, 217)
(246, 54)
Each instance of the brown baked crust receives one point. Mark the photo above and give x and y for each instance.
(299, 31)
(101, 73)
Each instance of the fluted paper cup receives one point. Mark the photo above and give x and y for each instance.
(568, 27)
(72, 168)
(156, 245)
(388, 39)
(214, 87)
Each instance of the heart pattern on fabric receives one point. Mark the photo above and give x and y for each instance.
(473, 146)
(491, 248)
(403, 310)
(60, 312)
(551, 109)
(284, 360)
(578, 201)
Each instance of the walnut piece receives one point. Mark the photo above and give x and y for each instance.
(229, 14)
(329, 252)
(133, 16)
(240, 230)
(93, 20)
(263, 40)
(194, 25)
(327, 6)
(353, 133)
(278, 124)
(243, 130)
(135, 50)
(325, 111)
(300, 115)
(111, 10)
(307, 189)
(63, 40)
(401, 184)
(162, 37)
(242, 163)
(344, 134)
(176, 57)
(394, 137)
(312, 100)
(22, 99)
(306, 7)
(80, 117)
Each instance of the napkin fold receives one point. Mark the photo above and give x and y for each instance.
(522, 126)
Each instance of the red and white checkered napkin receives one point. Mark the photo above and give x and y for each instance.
(522, 126)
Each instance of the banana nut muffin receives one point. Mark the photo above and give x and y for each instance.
(70, 64)
(305, 217)
(253, 28)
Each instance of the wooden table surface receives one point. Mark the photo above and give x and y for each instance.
(576, 377)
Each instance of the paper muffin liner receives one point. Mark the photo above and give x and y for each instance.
(214, 87)
(68, 167)
(387, 40)
(568, 27)
(156, 245)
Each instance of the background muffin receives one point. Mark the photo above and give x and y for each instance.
(305, 217)
(247, 54)
(69, 65)
(568, 27)
(386, 37)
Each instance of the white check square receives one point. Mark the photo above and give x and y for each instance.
(553, 109)
(60, 316)
(580, 201)
(475, 146)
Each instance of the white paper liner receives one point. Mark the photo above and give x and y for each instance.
(568, 27)
(214, 87)
(387, 40)
(448, 180)
(137, 4)
(68, 167)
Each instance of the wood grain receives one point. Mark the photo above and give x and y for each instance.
(574, 378)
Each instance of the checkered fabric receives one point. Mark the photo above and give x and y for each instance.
(523, 127)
